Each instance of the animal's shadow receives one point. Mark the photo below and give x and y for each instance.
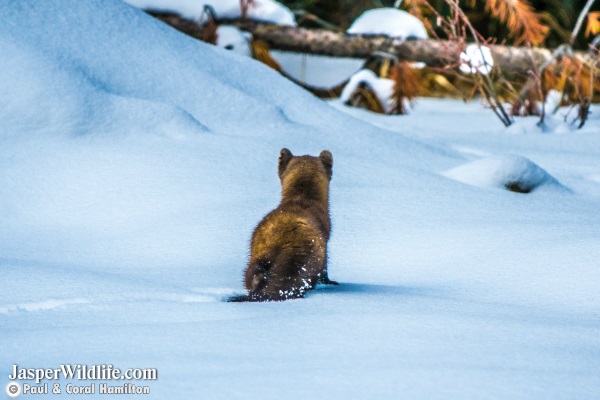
(342, 288)
(370, 289)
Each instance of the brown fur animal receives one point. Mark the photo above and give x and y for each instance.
(288, 251)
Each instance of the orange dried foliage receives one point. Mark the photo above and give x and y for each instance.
(260, 52)
(209, 32)
(520, 18)
(568, 76)
(530, 104)
(419, 9)
(593, 23)
(406, 87)
(365, 97)
(576, 79)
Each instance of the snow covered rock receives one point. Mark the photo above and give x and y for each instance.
(388, 21)
(514, 173)
(231, 38)
(264, 10)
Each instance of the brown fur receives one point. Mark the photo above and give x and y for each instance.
(288, 251)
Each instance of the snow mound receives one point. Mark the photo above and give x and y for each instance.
(131, 83)
(231, 38)
(390, 22)
(264, 10)
(514, 173)
(382, 87)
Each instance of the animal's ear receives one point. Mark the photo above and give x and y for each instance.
(327, 160)
(284, 158)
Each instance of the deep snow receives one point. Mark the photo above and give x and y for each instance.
(134, 163)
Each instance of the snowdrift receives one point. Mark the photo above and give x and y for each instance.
(517, 174)
(128, 124)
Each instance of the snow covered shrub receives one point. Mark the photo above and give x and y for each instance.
(366, 90)
(385, 85)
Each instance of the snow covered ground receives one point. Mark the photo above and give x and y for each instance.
(134, 163)
(315, 70)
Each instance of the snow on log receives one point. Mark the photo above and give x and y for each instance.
(434, 53)
(389, 22)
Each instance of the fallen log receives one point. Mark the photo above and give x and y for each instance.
(513, 61)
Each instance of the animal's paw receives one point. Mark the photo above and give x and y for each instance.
(326, 281)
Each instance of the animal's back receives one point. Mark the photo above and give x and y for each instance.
(287, 257)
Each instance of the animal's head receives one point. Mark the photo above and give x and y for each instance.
(305, 175)
(290, 164)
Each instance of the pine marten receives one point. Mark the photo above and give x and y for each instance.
(288, 250)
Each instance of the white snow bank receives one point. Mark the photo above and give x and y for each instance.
(131, 81)
(382, 87)
(388, 21)
(508, 172)
(264, 10)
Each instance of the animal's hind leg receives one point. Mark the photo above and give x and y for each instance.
(324, 276)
